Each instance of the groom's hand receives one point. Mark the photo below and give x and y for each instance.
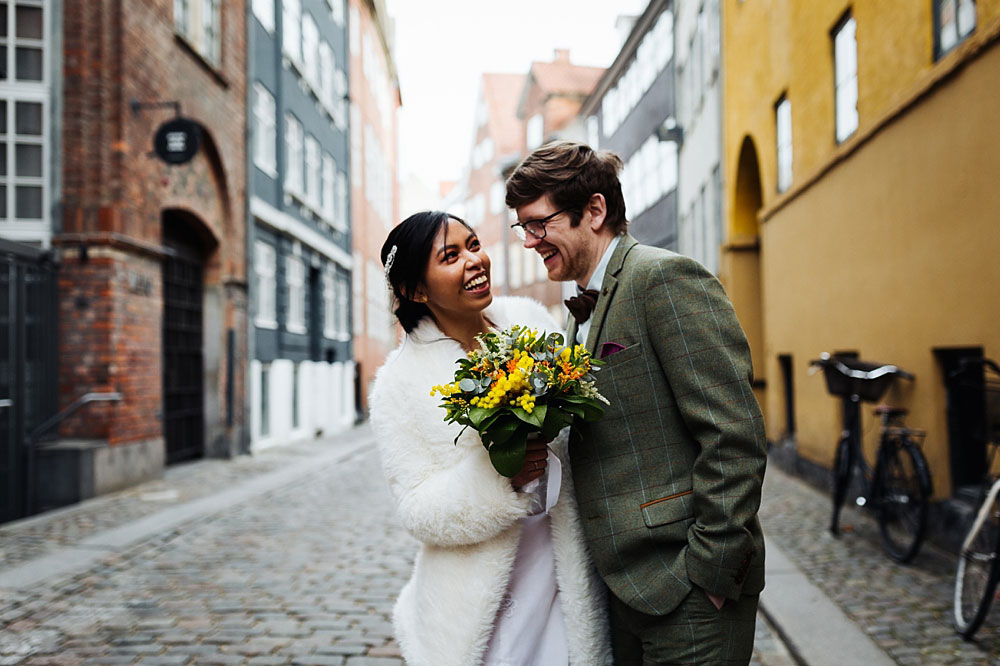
(535, 460)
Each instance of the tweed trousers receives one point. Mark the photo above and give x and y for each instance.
(696, 633)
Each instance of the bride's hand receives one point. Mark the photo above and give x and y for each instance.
(535, 460)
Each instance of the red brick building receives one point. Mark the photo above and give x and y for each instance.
(152, 282)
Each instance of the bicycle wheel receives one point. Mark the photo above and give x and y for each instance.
(843, 463)
(978, 570)
(901, 491)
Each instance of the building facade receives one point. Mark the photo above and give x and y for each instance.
(548, 108)
(374, 101)
(629, 104)
(698, 130)
(302, 369)
(498, 141)
(152, 283)
(862, 153)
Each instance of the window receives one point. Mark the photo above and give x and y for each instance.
(313, 171)
(293, 149)
(340, 214)
(337, 11)
(310, 51)
(783, 122)
(593, 136)
(197, 21)
(327, 69)
(497, 193)
(329, 186)
(291, 22)
(264, 265)
(535, 131)
(264, 11)
(24, 46)
(845, 54)
(954, 20)
(329, 304)
(354, 27)
(295, 279)
(342, 296)
(264, 138)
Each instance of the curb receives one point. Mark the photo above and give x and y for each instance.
(815, 630)
(80, 556)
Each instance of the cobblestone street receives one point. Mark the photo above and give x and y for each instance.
(302, 574)
(905, 609)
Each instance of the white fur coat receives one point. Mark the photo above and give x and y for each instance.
(465, 514)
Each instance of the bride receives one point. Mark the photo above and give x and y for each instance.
(502, 576)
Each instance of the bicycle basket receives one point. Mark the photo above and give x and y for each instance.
(868, 390)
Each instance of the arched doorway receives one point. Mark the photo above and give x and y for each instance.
(745, 260)
(186, 243)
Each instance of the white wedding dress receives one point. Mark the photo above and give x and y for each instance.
(530, 629)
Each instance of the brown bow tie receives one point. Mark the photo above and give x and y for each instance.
(581, 306)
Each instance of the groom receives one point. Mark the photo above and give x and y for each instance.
(669, 480)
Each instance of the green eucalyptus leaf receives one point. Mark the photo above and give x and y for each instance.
(467, 385)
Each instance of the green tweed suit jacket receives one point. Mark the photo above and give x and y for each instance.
(669, 480)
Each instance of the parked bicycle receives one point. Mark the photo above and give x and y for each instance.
(978, 570)
(898, 490)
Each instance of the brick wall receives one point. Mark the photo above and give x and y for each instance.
(115, 194)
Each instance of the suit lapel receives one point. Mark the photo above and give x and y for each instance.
(608, 288)
(571, 331)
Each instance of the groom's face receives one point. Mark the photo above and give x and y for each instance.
(566, 251)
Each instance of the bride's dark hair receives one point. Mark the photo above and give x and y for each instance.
(410, 242)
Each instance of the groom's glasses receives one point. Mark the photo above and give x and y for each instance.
(535, 228)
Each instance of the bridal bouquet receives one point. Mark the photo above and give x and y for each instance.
(517, 383)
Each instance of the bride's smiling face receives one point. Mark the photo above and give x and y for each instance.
(457, 279)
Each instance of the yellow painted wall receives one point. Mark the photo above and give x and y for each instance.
(888, 245)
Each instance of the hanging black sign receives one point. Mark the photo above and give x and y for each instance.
(176, 141)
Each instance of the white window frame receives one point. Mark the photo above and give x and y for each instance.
(199, 22)
(314, 171)
(264, 265)
(310, 51)
(954, 32)
(783, 138)
(264, 11)
(845, 68)
(535, 131)
(295, 283)
(329, 187)
(329, 304)
(337, 11)
(340, 220)
(293, 151)
(342, 299)
(291, 26)
(265, 129)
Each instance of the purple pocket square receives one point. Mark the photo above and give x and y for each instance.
(610, 348)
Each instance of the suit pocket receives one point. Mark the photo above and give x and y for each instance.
(624, 356)
(668, 517)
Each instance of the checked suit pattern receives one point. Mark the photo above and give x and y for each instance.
(669, 480)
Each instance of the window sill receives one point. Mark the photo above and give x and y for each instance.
(211, 68)
(271, 172)
(265, 323)
(296, 329)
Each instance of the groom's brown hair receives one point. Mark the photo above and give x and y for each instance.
(570, 173)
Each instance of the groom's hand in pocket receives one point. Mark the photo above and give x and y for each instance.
(535, 460)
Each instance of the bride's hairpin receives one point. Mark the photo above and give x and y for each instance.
(388, 261)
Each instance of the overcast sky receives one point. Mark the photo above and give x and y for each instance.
(442, 47)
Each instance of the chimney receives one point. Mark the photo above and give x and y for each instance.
(562, 56)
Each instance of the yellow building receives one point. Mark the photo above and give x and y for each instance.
(862, 177)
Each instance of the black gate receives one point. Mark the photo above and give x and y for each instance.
(28, 372)
(183, 381)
